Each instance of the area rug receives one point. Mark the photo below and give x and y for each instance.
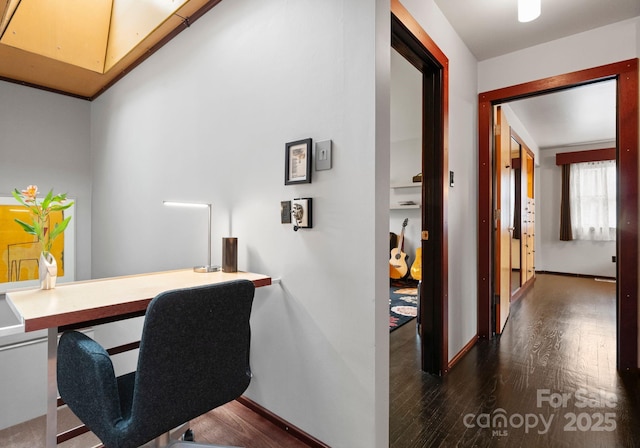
(403, 305)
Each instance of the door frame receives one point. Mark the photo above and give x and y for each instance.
(626, 75)
(413, 43)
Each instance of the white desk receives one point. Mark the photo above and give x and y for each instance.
(82, 304)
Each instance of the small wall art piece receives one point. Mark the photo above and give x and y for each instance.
(297, 162)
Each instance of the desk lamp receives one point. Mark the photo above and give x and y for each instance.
(208, 267)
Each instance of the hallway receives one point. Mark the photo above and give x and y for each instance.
(549, 381)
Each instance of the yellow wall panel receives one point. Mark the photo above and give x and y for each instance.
(19, 251)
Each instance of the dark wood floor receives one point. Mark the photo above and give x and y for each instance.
(232, 424)
(556, 360)
(236, 425)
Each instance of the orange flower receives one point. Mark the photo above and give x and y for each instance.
(30, 193)
(40, 214)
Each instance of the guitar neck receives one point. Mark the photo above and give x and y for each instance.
(401, 240)
(401, 237)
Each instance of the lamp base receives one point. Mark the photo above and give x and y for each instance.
(206, 268)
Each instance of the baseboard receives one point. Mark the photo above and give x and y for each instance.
(462, 352)
(570, 274)
(523, 289)
(282, 424)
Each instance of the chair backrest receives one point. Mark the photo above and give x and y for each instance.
(194, 354)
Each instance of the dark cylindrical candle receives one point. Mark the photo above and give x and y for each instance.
(229, 254)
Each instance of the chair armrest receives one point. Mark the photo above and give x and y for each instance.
(87, 383)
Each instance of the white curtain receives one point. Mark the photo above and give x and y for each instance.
(593, 200)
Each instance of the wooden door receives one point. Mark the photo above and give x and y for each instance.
(502, 264)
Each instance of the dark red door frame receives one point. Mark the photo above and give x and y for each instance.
(626, 75)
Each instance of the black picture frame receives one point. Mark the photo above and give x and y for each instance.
(297, 162)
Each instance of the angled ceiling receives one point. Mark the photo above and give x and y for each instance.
(490, 28)
(81, 48)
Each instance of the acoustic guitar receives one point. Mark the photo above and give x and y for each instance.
(397, 263)
(416, 267)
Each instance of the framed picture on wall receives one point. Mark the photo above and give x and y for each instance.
(20, 252)
(297, 162)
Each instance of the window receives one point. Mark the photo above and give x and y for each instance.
(593, 200)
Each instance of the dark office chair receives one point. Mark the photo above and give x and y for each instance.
(194, 356)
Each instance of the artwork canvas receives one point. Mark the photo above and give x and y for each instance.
(20, 252)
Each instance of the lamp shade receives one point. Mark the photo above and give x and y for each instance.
(528, 10)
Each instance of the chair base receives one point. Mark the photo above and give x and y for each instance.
(169, 440)
(182, 444)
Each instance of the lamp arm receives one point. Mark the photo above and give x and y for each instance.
(209, 245)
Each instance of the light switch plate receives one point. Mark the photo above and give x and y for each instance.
(323, 155)
(285, 212)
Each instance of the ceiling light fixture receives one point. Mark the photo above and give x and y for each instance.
(528, 10)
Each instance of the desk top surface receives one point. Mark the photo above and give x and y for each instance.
(84, 301)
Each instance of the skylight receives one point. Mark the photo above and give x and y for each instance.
(93, 35)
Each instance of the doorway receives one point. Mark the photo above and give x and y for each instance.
(626, 75)
(412, 43)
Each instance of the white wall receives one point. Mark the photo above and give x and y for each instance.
(45, 141)
(463, 161)
(206, 119)
(605, 45)
(574, 257)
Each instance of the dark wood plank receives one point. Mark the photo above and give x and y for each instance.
(559, 339)
(236, 425)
